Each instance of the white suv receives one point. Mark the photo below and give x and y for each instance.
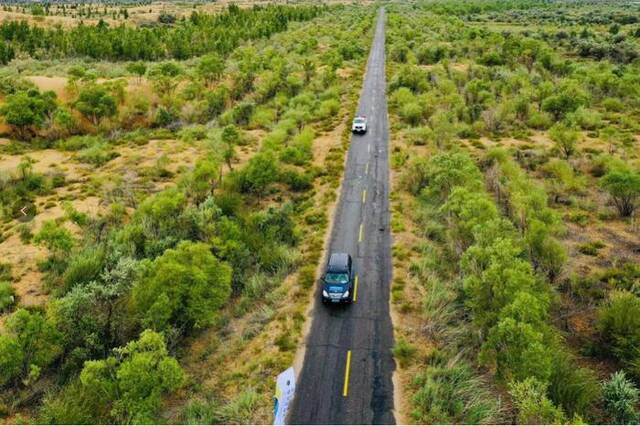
(359, 125)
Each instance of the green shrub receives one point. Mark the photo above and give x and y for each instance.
(404, 352)
(307, 276)
(591, 248)
(532, 404)
(184, 287)
(240, 410)
(7, 296)
(621, 399)
(452, 394)
(97, 154)
(624, 188)
(619, 326)
(571, 387)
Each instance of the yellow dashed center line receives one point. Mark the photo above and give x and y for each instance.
(345, 389)
(361, 234)
(355, 290)
(366, 169)
(364, 196)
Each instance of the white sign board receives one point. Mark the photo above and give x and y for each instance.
(285, 388)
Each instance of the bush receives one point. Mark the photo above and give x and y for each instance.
(411, 113)
(624, 188)
(621, 399)
(404, 352)
(258, 174)
(184, 288)
(134, 381)
(571, 387)
(532, 404)
(452, 394)
(7, 296)
(98, 154)
(619, 326)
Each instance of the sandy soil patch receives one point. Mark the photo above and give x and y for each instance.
(45, 161)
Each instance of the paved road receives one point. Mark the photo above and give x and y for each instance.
(346, 376)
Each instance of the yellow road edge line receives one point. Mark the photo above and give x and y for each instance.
(360, 235)
(345, 389)
(364, 196)
(355, 290)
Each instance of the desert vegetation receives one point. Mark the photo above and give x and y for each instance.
(160, 230)
(515, 156)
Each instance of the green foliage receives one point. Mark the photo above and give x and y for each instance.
(619, 326)
(532, 404)
(451, 394)
(133, 382)
(95, 103)
(621, 399)
(575, 389)
(54, 237)
(11, 359)
(210, 68)
(184, 288)
(561, 180)
(404, 352)
(32, 343)
(97, 154)
(258, 174)
(519, 351)
(623, 186)
(7, 296)
(566, 139)
(26, 111)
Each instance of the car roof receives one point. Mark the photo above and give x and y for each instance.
(338, 262)
(360, 117)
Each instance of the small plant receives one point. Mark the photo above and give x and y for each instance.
(404, 352)
(591, 248)
(24, 230)
(7, 296)
(621, 399)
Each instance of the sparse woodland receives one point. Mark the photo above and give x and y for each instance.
(166, 191)
(172, 217)
(517, 253)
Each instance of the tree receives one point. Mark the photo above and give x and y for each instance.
(623, 185)
(31, 345)
(561, 104)
(137, 68)
(621, 399)
(91, 316)
(164, 77)
(230, 137)
(210, 68)
(96, 103)
(134, 380)
(204, 179)
(26, 111)
(566, 138)
(309, 69)
(184, 288)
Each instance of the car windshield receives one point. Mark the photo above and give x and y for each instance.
(335, 278)
(359, 120)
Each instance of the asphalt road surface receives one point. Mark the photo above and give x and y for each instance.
(346, 376)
